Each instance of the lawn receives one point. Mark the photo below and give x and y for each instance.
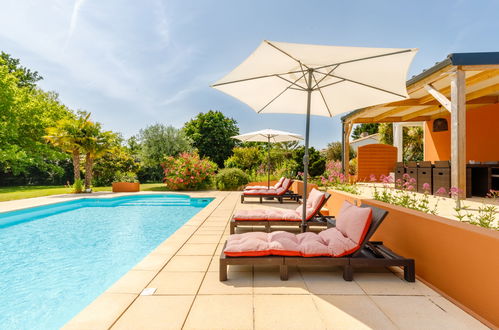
(20, 192)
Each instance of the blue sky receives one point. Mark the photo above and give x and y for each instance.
(135, 63)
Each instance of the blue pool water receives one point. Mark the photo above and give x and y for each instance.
(56, 259)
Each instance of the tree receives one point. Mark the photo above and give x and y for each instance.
(68, 136)
(156, 142)
(95, 143)
(334, 151)
(25, 113)
(118, 160)
(211, 134)
(26, 77)
(385, 131)
(317, 163)
(412, 138)
(371, 128)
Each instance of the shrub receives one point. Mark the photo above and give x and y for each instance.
(187, 171)
(249, 158)
(125, 177)
(78, 186)
(231, 179)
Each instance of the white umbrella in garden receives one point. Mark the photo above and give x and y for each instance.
(318, 80)
(269, 135)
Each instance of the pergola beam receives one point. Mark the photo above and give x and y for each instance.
(419, 113)
(442, 99)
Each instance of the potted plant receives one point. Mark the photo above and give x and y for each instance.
(126, 182)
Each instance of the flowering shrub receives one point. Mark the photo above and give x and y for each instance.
(404, 195)
(485, 217)
(187, 171)
(333, 177)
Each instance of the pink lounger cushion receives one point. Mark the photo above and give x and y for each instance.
(286, 184)
(314, 202)
(331, 242)
(277, 185)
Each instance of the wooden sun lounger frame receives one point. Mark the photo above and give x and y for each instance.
(280, 198)
(371, 254)
(317, 220)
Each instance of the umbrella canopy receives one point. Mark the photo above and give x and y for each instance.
(318, 80)
(269, 135)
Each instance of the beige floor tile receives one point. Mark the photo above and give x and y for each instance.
(165, 248)
(215, 263)
(210, 231)
(102, 312)
(466, 319)
(188, 264)
(185, 283)
(269, 282)
(153, 262)
(389, 284)
(351, 312)
(286, 312)
(237, 283)
(132, 282)
(221, 312)
(417, 312)
(156, 312)
(330, 283)
(194, 249)
(204, 239)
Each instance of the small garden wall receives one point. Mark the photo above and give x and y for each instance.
(458, 259)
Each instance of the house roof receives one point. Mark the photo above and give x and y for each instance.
(482, 72)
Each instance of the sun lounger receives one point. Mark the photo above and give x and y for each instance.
(346, 245)
(279, 193)
(284, 217)
(276, 186)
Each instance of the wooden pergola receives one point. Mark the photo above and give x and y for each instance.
(463, 81)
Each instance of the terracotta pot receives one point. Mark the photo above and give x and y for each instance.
(126, 186)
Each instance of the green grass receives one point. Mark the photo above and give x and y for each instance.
(20, 192)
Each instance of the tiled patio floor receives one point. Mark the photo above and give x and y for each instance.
(184, 272)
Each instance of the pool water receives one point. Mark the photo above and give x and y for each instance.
(56, 259)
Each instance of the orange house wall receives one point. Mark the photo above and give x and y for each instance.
(482, 136)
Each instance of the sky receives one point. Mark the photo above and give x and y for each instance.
(136, 63)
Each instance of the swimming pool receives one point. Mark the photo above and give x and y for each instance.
(56, 259)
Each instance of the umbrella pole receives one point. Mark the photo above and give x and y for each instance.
(268, 163)
(305, 157)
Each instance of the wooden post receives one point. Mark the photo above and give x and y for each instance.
(458, 132)
(346, 148)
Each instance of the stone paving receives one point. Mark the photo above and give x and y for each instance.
(183, 270)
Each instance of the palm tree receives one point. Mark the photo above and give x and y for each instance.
(67, 134)
(95, 144)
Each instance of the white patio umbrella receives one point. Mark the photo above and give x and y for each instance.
(268, 135)
(318, 80)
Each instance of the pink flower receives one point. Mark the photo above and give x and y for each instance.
(406, 176)
(412, 180)
(455, 191)
(372, 178)
(426, 187)
(441, 192)
(410, 188)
